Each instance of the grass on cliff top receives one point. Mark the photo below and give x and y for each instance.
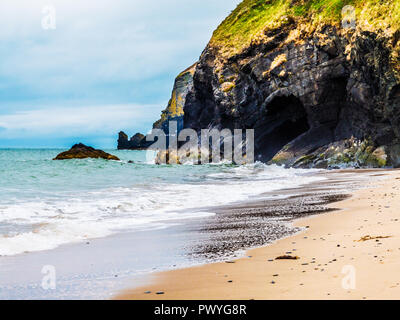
(252, 17)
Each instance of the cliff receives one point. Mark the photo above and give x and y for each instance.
(175, 109)
(317, 92)
(174, 112)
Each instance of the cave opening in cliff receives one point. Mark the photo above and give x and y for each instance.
(395, 93)
(285, 120)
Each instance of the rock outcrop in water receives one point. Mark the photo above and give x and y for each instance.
(317, 92)
(81, 151)
(137, 142)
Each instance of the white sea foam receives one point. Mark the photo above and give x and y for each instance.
(98, 213)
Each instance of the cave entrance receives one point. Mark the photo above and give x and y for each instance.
(285, 120)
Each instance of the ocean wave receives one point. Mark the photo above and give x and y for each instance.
(146, 205)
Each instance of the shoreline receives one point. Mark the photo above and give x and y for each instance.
(114, 262)
(329, 250)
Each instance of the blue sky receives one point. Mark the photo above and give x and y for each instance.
(109, 65)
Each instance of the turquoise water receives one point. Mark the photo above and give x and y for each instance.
(46, 203)
(29, 174)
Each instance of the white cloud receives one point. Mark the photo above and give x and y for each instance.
(103, 52)
(64, 122)
(104, 40)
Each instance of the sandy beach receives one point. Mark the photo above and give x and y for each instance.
(350, 253)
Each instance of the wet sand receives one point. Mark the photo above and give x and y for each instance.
(125, 260)
(351, 253)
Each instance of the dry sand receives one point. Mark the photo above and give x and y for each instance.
(333, 263)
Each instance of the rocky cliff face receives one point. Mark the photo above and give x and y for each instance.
(175, 109)
(316, 93)
(173, 112)
(300, 96)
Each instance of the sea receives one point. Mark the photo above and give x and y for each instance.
(46, 205)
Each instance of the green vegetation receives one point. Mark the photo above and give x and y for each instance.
(249, 21)
(323, 9)
(249, 18)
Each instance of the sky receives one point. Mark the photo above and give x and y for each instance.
(80, 71)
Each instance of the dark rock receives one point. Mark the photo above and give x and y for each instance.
(123, 140)
(287, 257)
(81, 151)
(308, 108)
(137, 139)
(137, 142)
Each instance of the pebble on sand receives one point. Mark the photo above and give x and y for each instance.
(287, 257)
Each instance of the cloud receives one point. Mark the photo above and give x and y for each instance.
(102, 42)
(65, 122)
(115, 55)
